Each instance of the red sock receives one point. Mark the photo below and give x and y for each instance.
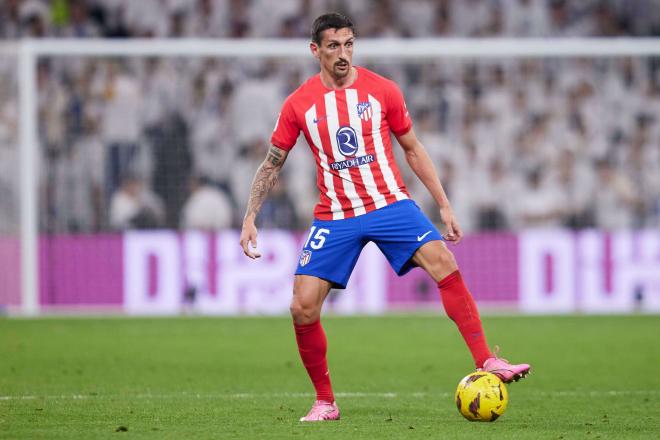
(313, 346)
(460, 307)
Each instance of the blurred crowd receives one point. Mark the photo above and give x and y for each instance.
(291, 18)
(169, 142)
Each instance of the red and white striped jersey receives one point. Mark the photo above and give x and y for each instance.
(348, 131)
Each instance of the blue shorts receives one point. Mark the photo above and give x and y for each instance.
(333, 246)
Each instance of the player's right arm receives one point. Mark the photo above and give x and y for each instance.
(264, 180)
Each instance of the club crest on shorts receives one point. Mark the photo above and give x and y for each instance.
(364, 110)
(305, 256)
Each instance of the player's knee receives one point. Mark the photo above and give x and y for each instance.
(444, 264)
(448, 260)
(303, 313)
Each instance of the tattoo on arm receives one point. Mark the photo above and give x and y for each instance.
(274, 156)
(264, 180)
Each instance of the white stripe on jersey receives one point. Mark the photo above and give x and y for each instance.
(365, 170)
(388, 175)
(333, 125)
(335, 206)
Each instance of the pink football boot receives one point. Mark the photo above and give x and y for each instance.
(504, 370)
(322, 410)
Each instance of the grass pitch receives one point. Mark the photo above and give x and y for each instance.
(592, 378)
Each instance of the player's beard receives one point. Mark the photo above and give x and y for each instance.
(341, 73)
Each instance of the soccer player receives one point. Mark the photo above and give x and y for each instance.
(346, 114)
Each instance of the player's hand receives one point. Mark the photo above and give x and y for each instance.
(249, 240)
(453, 232)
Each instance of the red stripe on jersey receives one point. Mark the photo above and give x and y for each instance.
(396, 172)
(323, 208)
(342, 112)
(367, 129)
(338, 183)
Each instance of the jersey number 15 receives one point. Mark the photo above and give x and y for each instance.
(319, 238)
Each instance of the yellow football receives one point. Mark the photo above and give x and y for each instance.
(481, 397)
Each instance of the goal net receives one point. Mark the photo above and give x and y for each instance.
(144, 152)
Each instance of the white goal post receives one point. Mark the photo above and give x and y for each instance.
(29, 51)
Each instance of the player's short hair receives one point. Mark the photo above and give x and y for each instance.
(331, 20)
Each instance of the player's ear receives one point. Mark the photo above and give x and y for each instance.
(314, 48)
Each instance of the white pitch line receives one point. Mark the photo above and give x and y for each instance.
(196, 395)
(389, 395)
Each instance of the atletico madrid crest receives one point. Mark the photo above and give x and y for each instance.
(305, 257)
(364, 110)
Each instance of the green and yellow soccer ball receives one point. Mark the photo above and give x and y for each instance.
(481, 397)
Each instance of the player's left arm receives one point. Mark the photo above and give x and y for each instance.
(422, 165)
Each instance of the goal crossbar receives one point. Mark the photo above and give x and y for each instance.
(368, 48)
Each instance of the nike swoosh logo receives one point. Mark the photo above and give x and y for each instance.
(322, 118)
(421, 237)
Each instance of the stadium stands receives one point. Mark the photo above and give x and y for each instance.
(518, 143)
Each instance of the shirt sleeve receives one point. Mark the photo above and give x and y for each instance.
(397, 114)
(286, 129)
